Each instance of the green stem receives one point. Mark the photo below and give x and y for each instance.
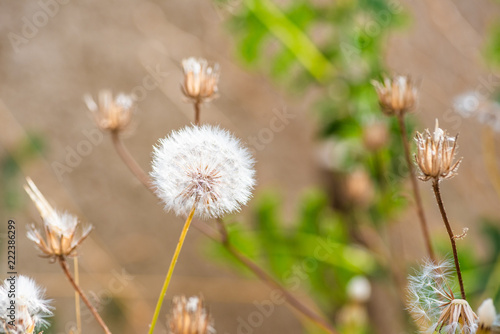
(171, 270)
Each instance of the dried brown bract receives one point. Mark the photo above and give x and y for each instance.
(396, 95)
(110, 114)
(435, 154)
(189, 316)
(62, 233)
(200, 79)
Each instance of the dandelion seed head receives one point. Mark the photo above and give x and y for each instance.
(205, 167)
(31, 305)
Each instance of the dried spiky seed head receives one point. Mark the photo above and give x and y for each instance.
(189, 316)
(396, 95)
(114, 115)
(62, 233)
(457, 316)
(200, 79)
(435, 154)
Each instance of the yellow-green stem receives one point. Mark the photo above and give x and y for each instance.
(171, 270)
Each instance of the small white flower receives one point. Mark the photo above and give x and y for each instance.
(487, 314)
(30, 305)
(205, 167)
(359, 289)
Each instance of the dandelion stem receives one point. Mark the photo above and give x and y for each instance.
(437, 192)
(416, 192)
(130, 161)
(171, 269)
(197, 112)
(269, 280)
(92, 309)
(77, 296)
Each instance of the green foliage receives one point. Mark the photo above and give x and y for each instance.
(9, 166)
(312, 253)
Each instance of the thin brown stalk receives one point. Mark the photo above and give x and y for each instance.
(271, 282)
(130, 161)
(197, 112)
(416, 192)
(92, 309)
(437, 192)
(252, 266)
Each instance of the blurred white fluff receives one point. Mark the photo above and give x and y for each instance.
(31, 305)
(205, 167)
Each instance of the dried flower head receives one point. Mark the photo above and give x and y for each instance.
(62, 235)
(396, 95)
(27, 310)
(111, 114)
(205, 168)
(435, 154)
(432, 302)
(200, 79)
(189, 316)
(487, 314)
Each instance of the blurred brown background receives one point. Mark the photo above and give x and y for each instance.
(136, 47)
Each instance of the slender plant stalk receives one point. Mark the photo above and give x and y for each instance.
(269, 280)
(437, 192)
(197, 112)
(171, 269)
(489, 158)
(130, 161)
(64, 266)
(253, 267)
(77, 296)
(416, 192)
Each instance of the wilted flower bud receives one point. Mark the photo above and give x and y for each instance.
(62, 235)
(111, 114)
(189, 316)
(396, 95)
(435, 154)
(375, 136)
(359, 187)
(200, 79)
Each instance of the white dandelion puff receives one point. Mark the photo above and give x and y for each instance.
(205, 168)
(31, 307)
(432, 302)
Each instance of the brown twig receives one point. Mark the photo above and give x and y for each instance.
(130, 161)
(435, 186)
(270, 281)
(416, 192)
(197, 112)
(92, 309)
